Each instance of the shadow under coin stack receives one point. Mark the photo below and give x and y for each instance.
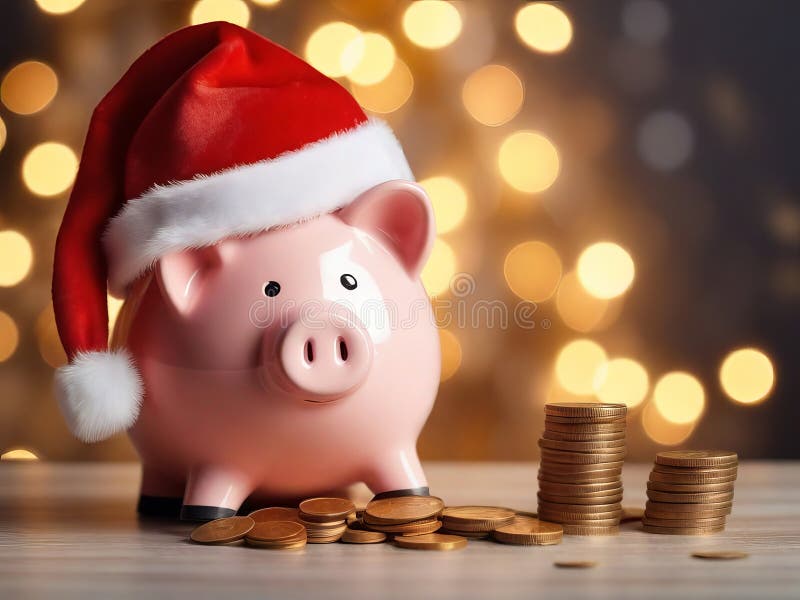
(580, 474)
(690, 492)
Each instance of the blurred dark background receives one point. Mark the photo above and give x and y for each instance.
(627, 166)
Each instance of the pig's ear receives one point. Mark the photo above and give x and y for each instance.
(399, 214)
(181, 275)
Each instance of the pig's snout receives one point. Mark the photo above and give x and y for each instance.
(327, 359)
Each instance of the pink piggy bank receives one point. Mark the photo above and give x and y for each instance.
(275, 340)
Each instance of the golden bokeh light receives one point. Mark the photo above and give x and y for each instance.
(325, 48)
(368, 59)
(577, 365)
(16, 257)
(747, 376)
(2, 134)
(232, 11)
(440, 268)
(114, 306)
(662, 431)
(47, 339)
(605, 270)
(622, 381)
(532, 271)
(679, 397)
(49, 169)
(528, 161)
(451, 353)
(543, 27)
(266, 2)
(577, 308)
(432, 23)
(493, 95)
(59, 7)
(388, 95)
(18, 454)
(449, 201)
(29, 87)
(9, 336)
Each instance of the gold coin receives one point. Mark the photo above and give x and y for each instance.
(274, 513)
(561, 468)
(720, 555)
(413, 528)
(697, 498)
(523, 514)
(575, 564)
(588, 522)
(697, 458)
(222, 531)
(356, 536)
(560, 436)
(326, 509)
(431, 541)
(546, 505)
(630, 513)
(580, 446)
(683, 530)
(573, 489)
(590, 530)
(706, 522)
(580, 478)
(476, 518)
(585, 409)
(708, 514)
(569, 427)
(583, 420)
(582, 458)
(660, 486)
(721, 471)
(576, 515)
(690, 478)
(402, 509)
(276, 531)
(683, 507)
(580, 500)
(528, 531)
(271, 546)
(472, 535)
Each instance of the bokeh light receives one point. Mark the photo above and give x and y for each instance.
(266, 2)
(622, 381)
(388, 95)
(232, 11)
(2, 134)
(605, 270)
(368, 59)
(326, 47)
(747, 375)
(577, 365)
(578, 308)
(29, 87)
(59, 7)
(665, 140)
(18, 454)
(532, 271)
(449, 200)
(493, 95)
(646, 21)
(50, 348)
(440, 268)
(16, 257)
(9, 336)
(543, 27)
(528, 161)
(662, 431)
(451, 353)
(49, 169)
(432, 23)
(679, 397)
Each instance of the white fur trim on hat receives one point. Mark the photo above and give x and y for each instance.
(100, 394)
(316, 179)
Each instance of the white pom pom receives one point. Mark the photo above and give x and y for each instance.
(100, 394)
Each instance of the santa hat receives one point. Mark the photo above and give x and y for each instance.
(214, 132)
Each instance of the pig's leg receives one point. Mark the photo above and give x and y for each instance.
(398, 473)
(160, 494)
(214, 492)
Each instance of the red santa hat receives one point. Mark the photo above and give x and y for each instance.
(214, 132)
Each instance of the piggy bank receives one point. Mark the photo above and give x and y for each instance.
(275, 340)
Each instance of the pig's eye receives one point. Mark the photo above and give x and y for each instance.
(348, 282)
(272, 289)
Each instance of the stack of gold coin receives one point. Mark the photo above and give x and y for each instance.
(580, 475)
(403, 515)
(475, 521)
(325, 519)
(277, 535)
(690, 492)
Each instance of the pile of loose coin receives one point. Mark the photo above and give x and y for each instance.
(580, 474)
(325, 519)
(690, 492)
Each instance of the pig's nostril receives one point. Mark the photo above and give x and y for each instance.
(309, 351)
(342, 349)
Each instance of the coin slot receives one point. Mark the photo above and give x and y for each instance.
(309, 351)
(342, 346)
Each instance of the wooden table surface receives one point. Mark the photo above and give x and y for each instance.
(70, 530)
